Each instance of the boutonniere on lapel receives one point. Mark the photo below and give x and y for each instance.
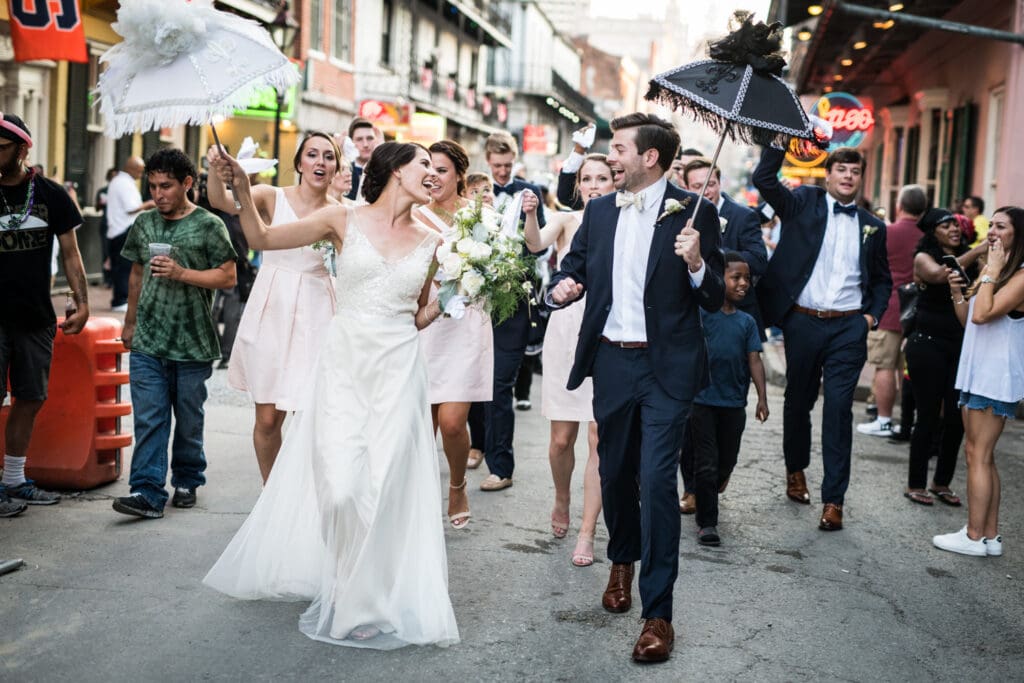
(723, 222)
(868, 231)
(672, 206)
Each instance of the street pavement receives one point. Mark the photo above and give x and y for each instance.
(104, 597)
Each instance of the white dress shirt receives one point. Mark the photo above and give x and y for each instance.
(123, 202)
(835, 280)
(633, 235)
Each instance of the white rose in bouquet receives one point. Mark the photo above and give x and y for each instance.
(465, 245)
(472, 282)
(443, 251)
(480, 251)
(452, 265)
(464, 214)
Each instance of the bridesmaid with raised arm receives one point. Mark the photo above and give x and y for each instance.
(567, 409)
(459, 353)
(291, 302)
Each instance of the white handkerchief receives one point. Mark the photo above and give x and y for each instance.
(585, 136)
(456, 307)
(510, 216)
(249, 162)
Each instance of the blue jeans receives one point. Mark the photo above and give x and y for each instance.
(159, 387)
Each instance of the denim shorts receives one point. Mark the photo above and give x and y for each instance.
(979, 402)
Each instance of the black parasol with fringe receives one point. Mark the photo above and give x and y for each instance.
(739, 91)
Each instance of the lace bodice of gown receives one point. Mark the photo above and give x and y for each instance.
(370, 285)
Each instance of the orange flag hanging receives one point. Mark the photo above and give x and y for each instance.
(47, 29)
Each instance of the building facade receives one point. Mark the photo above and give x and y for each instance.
(947, 105)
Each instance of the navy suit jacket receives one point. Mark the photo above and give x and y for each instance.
(804, 215)
(357, 174)
(743, 234)
(518, 185)
(675, 337)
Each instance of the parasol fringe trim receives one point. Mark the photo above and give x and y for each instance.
(191, 111)
(738, 130)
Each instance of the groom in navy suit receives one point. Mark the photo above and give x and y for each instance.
(827, 284)
(645, 270)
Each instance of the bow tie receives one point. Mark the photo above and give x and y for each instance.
(626, 198)
(506, 189)
(848, 209)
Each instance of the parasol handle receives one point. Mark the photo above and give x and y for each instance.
(216, 139)
(714, 162)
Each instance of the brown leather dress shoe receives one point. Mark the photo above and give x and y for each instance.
(796, 488)
(655, 641)
(618, 595)
(831, 517)
(688, 504)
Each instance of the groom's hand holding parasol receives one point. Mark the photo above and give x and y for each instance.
(688, 246)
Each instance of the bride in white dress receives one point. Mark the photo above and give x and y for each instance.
(350, 516)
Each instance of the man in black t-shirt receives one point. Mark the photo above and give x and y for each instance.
(33, 212)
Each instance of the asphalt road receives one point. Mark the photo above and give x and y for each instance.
(106, 598)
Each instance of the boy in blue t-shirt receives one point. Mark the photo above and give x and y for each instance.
(719, 412)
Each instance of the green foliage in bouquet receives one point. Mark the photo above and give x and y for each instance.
(479, 261)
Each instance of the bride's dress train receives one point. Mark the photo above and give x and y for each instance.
(351, 514)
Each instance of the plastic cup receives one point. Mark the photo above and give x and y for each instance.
(159, 249)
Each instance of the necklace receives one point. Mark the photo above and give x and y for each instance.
(15, 222)
(443, 213)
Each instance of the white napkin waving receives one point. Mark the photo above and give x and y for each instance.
(510, 215)
(584, 137)
(348, 150)
(248, 161)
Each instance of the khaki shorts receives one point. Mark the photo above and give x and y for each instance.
(884, 349)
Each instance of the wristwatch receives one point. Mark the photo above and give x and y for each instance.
(986, 279)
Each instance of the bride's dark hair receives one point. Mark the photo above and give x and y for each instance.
(385, 159)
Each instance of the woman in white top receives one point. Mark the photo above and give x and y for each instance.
(567, 409)
(459, 353)
(292, 300)
(990, 377)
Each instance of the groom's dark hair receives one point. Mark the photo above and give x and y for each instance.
(652, 133)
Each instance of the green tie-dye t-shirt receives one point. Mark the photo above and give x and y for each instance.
(174, 320)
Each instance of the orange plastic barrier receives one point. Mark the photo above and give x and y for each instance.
(77, 439)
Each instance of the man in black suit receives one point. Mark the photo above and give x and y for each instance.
(645, 271)
(510, 337)
(741, 228)
(365, 138)
(741, 232)
(827, 284)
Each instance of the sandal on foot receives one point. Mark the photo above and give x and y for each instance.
(919, 497)
(460, 520)
(583, 555)
(947, 497)
(364, 632)
(559, 529)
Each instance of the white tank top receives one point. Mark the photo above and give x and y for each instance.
(992, 358)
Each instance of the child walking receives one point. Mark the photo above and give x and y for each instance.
(719, 412)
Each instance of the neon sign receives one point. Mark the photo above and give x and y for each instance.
(851, 121)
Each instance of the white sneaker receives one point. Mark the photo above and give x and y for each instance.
(994, 546)
(959, 542)
(123, 308)
(876, 427)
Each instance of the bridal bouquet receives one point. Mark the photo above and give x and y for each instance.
(480, 261)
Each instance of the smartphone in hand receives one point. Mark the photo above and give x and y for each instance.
(950, 262)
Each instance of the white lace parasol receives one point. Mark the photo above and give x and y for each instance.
(183, 62)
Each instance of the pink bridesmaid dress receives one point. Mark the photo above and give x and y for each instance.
(459, 353)
(557, 402)
(284, 323)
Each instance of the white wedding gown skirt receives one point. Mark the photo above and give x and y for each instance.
(351, 514)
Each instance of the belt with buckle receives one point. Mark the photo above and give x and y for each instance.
(824, 315)
(623, 344)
